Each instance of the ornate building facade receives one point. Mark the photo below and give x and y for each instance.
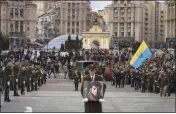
(96, 38)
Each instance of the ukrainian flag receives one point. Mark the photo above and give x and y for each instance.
(141, 55)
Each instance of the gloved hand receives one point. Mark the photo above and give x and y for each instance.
(101, 100)
(85, 100)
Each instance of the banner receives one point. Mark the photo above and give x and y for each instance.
(93, 90)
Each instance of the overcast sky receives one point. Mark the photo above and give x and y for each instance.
(99, 5)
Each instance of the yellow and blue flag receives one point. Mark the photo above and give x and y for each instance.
(141, 55)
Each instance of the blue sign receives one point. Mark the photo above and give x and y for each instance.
(114, 45)
(14, 43)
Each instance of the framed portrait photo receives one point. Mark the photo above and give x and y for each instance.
(93, 90)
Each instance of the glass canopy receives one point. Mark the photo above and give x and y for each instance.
(56, 42)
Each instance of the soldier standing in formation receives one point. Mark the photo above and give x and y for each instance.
(28, 76)
(76, 80)
(16, 77)
(7, 76)
(22, 79)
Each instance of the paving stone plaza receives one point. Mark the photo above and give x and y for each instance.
(58, 95)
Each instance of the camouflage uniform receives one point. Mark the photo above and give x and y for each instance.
(29, 75)
(15, 80)
(7, 76)
(23, 80)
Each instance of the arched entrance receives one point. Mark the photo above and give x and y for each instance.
(95, 44)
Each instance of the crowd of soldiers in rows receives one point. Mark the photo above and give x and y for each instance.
(31, 70)
(156, 75)
(19, 73)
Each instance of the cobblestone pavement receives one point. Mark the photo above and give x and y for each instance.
(58, 95)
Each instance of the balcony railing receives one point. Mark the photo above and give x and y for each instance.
(17, 34)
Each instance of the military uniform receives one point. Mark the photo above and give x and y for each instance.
(16, 79)
(7, 76)
(143, 81)
(76, 80)
(132, 78)
(39, 78)
(150, 82)
(122, 81)
(33, 80)
(29, 73)
(23, 80)
(36, 80)
(137, 80)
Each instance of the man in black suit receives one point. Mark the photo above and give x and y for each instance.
(92, 106)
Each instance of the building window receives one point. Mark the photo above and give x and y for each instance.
(73, 23)
(77, 30)
(16, 11)
(77, 23)
(122, 33)
(68, 23)
(11, 27)
(73, 16)
(146, 14)
(73, 31)
(11, 12)
(146, 19)
(21, 26)
(28, 29)
(16, 26)
(68, 17)
(73, 4)
(21, 12)
(77, 5)
(129, 33)
(69, 5)
(115, 33)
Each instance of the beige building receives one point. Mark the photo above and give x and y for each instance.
(72, 17)
(132, 20)
(159, 21)
(69, 17)
(40, 7)
(18, 19)
(46, 26)
(96, 38)
(170, 19)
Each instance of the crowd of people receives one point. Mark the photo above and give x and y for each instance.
(29, 69)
